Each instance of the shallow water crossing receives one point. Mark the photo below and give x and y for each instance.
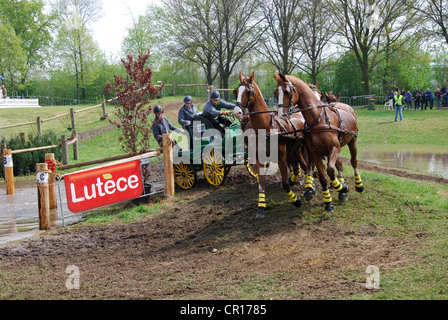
(19, 213)
(426, 159)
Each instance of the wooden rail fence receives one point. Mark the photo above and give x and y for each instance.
(72, 113)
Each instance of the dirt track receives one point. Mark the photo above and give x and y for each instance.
(206, 245)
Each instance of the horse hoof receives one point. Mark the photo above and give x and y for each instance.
(345, 188)
(261, 214)
(329, 207)
(309, 194)
(343, 197)
(291, 183)
(360, 189)
(298, 203)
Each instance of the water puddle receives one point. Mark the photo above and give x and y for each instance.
(427, 159)
(19, 213)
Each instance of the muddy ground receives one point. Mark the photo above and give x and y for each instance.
(206, 245)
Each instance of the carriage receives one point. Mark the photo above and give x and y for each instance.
(215, 161)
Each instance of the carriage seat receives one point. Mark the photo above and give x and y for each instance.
(198, 130)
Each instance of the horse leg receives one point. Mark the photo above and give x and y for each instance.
(261, 213)
(342, 195)
(283, 165)
(354, 161)
(328, 201)
(308, 167)
(294, 160)
(339, 187)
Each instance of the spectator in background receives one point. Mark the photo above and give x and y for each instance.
(425, 100)
(445, 99)
(390, 97)
(417, 97)
(430, 97)
(439, 96)
(399, 106)
(4, 93)
(403, 92)
(408, 100)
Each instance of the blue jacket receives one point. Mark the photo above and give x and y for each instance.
(213, 112)
(187, 114)
(159, 128)
(408, 97)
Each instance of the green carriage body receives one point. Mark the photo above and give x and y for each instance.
(214, 159)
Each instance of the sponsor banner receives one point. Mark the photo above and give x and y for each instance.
(95, 188)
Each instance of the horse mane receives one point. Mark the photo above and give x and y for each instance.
(304, 86)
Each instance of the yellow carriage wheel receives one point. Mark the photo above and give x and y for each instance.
(184, 175)
(214, 169)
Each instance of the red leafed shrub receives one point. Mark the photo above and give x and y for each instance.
(133, 103)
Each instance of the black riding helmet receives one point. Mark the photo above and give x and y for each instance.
(188, 99)
(215, 95)
(158, 109)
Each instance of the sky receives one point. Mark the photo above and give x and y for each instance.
(110, 30)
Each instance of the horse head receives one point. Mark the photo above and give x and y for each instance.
(245, 95)
(286, 93)
(331, 98)
(315, 88)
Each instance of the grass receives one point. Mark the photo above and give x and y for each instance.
(122, 213)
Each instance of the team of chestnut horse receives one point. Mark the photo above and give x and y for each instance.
(309, 131)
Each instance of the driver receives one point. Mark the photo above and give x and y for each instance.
(212, 111)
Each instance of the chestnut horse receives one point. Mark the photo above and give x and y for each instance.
(250, 102)
(328, 130)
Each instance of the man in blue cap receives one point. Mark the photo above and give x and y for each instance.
(212, 111)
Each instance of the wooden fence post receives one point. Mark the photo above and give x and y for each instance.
(39, 125)
(75, 146)
(168, 165)
(72, 116)
(104, 110)
(50, 161)
(64, 146)
(173, 88)
(43, 196)
(9, 171)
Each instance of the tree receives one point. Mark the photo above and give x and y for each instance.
(189, 23)
(33, 27)
(75, 16)
(279, 45)
(141, 36)
(77, 53)
(12, 58)
(134, 93)
(435, 13)
(88, 11)
(238, 31)
(316, 34)
(363, 23)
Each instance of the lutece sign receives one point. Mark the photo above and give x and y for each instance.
(95, 188)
